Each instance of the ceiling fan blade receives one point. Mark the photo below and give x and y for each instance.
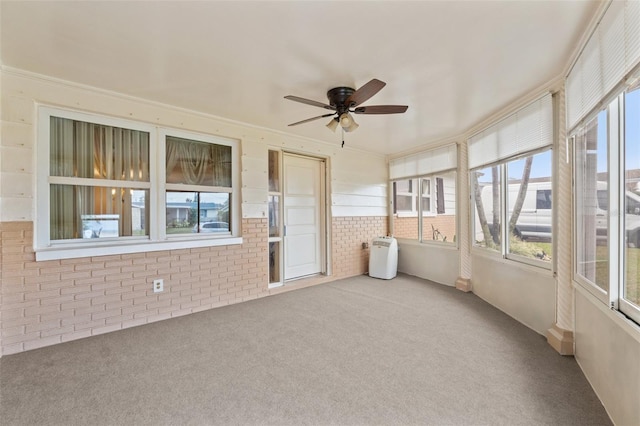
(309, 102)
(381, 109)
(365, 92)
(311, 119)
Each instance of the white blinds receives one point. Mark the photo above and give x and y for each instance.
(424, 163)
(525, 130)
(612, 51)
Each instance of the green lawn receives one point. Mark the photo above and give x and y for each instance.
(534, 249)
(186, 230)
(632, 269)
(632, 290)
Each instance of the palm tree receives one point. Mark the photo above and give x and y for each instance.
(480, 208)
(522, 192)
(492, 233)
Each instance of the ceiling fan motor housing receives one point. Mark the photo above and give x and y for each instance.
(338, 97)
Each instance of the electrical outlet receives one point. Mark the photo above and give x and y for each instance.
(158, 286)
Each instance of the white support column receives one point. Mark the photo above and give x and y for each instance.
(560, 335)
(464, 214)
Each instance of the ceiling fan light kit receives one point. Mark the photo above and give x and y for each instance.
(344, 101)
(348, 123)
(333, 124)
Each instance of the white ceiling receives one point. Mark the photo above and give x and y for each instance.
(454, 63)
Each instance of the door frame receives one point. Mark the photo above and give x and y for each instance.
(325, 212)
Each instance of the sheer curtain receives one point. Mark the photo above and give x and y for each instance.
(63, 218)
(221, 158)
(200, 163)
(119, 154)
(87, 150)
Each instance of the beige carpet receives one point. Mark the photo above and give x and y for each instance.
(353, 352)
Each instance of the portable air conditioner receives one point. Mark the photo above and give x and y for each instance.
(383, 258)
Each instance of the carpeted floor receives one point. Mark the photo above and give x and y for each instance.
(356, 351)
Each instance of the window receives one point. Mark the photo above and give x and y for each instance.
(486, 196)
(275, 223)
(424, 195)
(511, 185)
(607, 175)
(407, 200)
(526, 214)
(99, 181)
(603, 112)
(529, 212)
(99, 186)
(198, 181)
(405, 197)
(630, 291)
(435, 225)
(440, 196)
(439, 208)
(405, 210)
(592, 202)
(543, 199)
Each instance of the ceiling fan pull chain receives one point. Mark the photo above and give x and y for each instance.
(343, 137)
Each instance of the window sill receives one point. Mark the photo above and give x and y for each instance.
(536, 263)
(81, 250)
(624, 323)
(428, 243)
(486, 252)
(415, 214)
(513, 260)
(405, 214)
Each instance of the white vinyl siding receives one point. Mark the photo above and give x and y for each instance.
(358, 184)
(449, 186)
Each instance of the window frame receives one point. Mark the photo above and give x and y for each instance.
(504, 250)
(416, 194)
(163, 133)
(412, 194)
(487, 251)
(431, 212)
(416, 204)
(46, 249)
(613, 295)
(275, 218)
(518, 257)
(603, 295)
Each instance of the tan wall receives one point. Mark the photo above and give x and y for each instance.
(407, 227)
(44, 303)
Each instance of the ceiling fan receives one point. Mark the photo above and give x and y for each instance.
(344, 100)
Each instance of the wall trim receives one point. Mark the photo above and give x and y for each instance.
(464, 284)
(16, 72)
(561, 340)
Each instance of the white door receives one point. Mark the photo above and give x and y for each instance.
(303, 218)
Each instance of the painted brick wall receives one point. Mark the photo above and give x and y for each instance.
(45, 303)
(349, 233)
(407, 227)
